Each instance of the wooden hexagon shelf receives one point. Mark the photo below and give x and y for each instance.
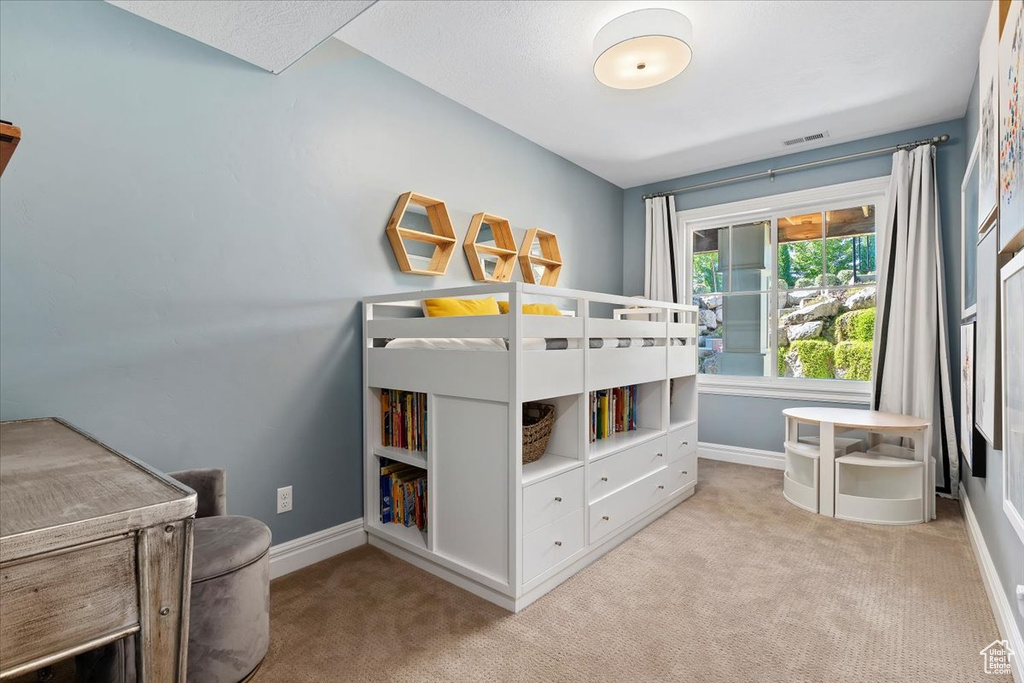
(495, 259)
(441, 235)
(549, 259)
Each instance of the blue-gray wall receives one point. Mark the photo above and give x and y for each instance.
(986, 495)
(185, 240)
(761, 419)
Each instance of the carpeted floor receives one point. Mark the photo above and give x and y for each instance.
(732, 585)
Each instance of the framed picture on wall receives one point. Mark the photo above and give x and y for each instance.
(969, 234)
(1011, 128)
(987, 360)
(988, 112)
(967, 395)
(1012, 290)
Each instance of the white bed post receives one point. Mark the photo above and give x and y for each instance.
(515, 437)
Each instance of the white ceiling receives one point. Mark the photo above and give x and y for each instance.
(762, 72)
(271, 34)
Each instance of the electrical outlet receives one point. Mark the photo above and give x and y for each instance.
(284, 499)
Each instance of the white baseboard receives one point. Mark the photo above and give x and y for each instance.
(743, 456)
(1001, 607)
(306, 550)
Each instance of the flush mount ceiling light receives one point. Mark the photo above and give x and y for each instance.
(642, 49)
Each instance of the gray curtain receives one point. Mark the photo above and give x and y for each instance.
(911, 362)
(660, 277)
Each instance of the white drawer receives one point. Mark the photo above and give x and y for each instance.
(682, 441)
(552, 499)
(612, 512)
(551, 544)
(682, 473)
(607, 475)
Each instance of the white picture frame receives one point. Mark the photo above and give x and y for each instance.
(1012, 289)
(1011, 129)
(969, 234)
(987, 359)
(967, 393)
(988, 117)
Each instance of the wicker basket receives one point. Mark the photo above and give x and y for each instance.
(538, 419)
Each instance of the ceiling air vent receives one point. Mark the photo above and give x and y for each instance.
(807, 138)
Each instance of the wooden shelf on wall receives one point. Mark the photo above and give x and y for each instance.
(442, 236)
(10, 136)
(503, 248)
(550, 259)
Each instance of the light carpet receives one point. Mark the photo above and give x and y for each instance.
(734, 584)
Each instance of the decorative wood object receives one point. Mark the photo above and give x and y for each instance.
(10, 136)
(442, 235)
(502, 251)
(550, 258)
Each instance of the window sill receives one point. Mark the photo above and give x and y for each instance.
(829, 391)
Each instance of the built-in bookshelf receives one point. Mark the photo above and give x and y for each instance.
(623, 417)
(403, 494)
(403, 420)
(682, 405)
(563, 451)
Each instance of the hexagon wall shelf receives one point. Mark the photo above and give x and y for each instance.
(441, 236)
(549, 260)
(494, 261)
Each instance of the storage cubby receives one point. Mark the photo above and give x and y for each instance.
(682, 407)
(399, 431)
(879, 488)
(647, 404)
(402, 500)
(563, 449)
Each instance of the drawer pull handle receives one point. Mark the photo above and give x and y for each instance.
(682, 471)
(660, 486)
(605, 518)
(558, 499)
(604, 478)
(686, 443)
(661, 455)
(558, 543)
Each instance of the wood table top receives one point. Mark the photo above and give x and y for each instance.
(54, 478)
(870, 420)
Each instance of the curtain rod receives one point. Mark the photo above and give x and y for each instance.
(771, 173)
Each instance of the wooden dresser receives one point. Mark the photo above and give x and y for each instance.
(94, 546)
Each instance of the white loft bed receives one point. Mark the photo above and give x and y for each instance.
(503, 530)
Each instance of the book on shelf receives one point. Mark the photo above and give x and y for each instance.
(612, 411)
(403, 494)
(403, 419)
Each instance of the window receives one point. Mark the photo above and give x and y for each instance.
(786, 288)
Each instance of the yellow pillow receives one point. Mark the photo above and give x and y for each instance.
(533, 309)
(442, 308)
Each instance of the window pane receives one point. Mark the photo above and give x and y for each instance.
(749, 268)
(733, 334)
(706, 271)
(829, 336)
(800, 250)
(850, 245)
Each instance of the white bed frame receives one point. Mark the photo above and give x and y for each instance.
(510, 532)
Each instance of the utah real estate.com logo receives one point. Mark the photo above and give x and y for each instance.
(997, 658)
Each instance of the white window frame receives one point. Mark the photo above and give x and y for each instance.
(868, 191)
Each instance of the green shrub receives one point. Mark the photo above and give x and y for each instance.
(782, 361)
(853, 360)
(827, 280)
(858, 326)
(845, 276)
(803, 283)
(816, 357)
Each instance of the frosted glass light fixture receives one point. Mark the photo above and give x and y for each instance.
(642, 49)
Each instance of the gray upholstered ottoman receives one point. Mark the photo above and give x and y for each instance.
(229, 620)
